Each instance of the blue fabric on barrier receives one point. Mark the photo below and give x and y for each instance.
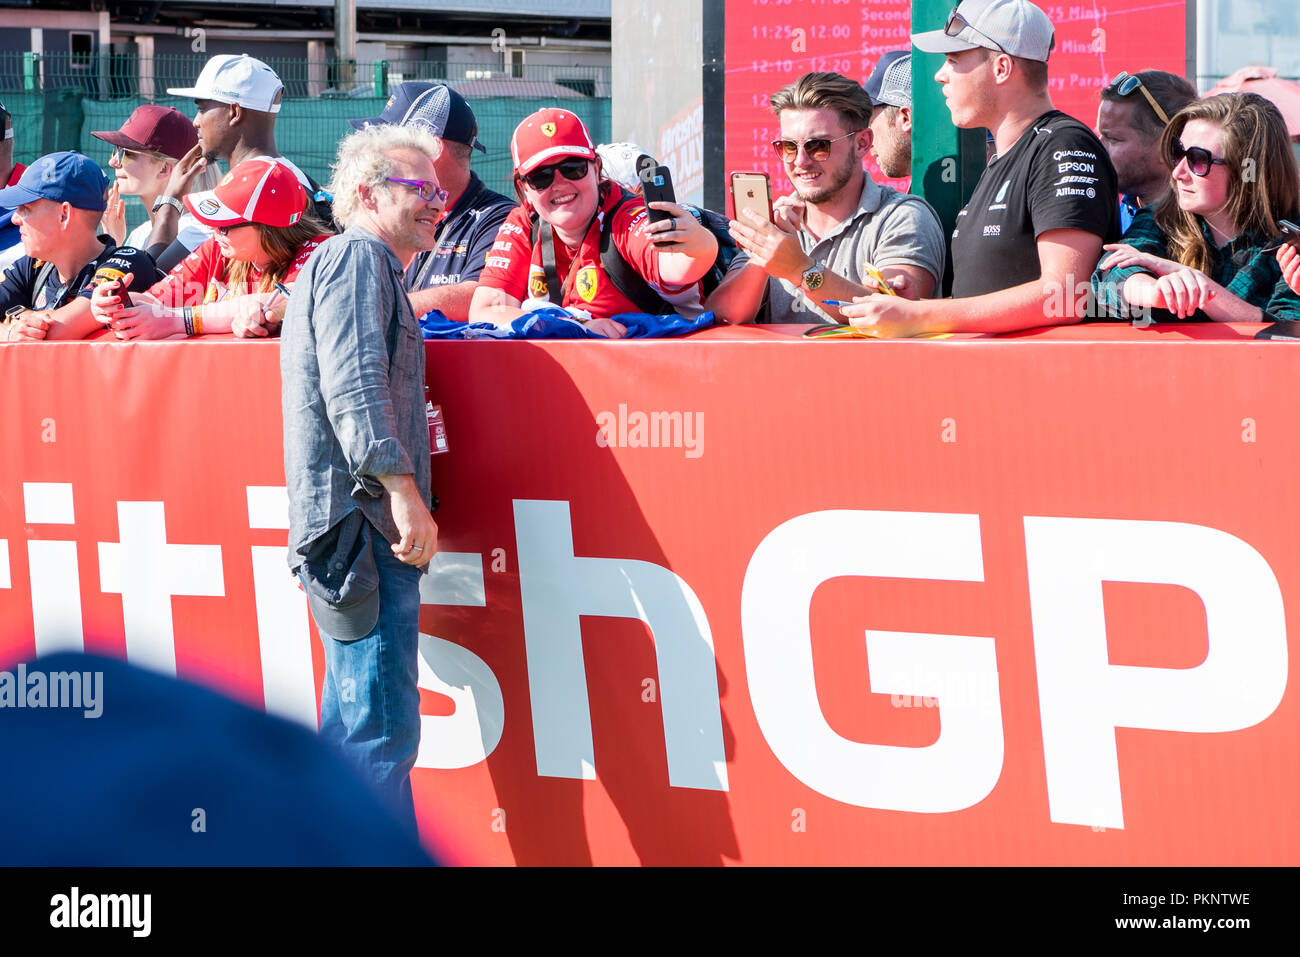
(556, 323)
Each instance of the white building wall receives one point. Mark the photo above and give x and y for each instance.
(1231, 34)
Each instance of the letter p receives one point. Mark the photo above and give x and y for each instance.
(1083, 697)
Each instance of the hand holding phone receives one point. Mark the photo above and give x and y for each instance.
(656, 187)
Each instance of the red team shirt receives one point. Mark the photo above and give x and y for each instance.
(515, 267)
(200, 277)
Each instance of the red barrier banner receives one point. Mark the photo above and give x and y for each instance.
(743, 598)
(770, 43)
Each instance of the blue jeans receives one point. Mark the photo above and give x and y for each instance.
(370, 705)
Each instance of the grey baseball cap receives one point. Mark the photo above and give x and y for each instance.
(890, 82)
(341, 579)
(1016, 27)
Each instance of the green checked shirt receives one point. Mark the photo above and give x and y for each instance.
(1244, 267)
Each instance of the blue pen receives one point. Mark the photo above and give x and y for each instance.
(835, 302)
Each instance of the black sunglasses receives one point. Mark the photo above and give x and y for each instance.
(1126, 83)
(956, 23)
(817, 149)
(542, 177)
(1199, 159)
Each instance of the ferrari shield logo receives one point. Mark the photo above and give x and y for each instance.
(548, 129)
(586, 283)
(537, 286)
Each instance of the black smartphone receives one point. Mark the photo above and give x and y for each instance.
(1283, 329)
(1290, 232)
(657, 187)
(115, 269)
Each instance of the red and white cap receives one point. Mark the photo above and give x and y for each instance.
(256, 191)
(549, 135)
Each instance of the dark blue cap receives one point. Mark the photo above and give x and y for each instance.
(63, 177)
(890, 83)
(436, 107)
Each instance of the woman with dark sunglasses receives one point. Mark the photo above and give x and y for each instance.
(236, 281)
(1207, 250)
(564, 199)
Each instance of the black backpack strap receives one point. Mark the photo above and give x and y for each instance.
(626, 279)
(544, 234)
(321, 202)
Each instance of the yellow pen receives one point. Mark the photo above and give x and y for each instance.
(882, 284)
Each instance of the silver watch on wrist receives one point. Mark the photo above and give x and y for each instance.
(162, 201)
(813, 276)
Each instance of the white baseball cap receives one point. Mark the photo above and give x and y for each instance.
(1015, 27)
(239, 79)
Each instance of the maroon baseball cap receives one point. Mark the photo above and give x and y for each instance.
(154, 129)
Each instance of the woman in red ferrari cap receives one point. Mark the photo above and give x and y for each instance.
(261, 237)
(558, 180)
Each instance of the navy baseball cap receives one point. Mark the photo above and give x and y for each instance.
(890, 83)
(438, 108)
(63, 177)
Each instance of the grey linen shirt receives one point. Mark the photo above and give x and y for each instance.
(351, 413)
(888, 228)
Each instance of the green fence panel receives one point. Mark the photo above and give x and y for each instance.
(77, 99)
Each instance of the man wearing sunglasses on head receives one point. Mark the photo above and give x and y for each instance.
(837, 222)
(549, 248)
(1133, 113)
(1032, 232)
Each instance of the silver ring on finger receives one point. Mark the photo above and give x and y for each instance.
(417, 548)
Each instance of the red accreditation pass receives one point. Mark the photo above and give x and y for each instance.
(437, 428)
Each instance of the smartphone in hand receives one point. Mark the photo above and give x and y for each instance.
(751, 191)
(1290, 232)
(657, 187)
(111, 271)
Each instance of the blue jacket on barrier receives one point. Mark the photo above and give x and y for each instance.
(556, 323)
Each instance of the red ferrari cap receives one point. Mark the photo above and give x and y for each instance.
(549, 135)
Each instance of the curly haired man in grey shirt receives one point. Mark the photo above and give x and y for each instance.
(356, 451)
